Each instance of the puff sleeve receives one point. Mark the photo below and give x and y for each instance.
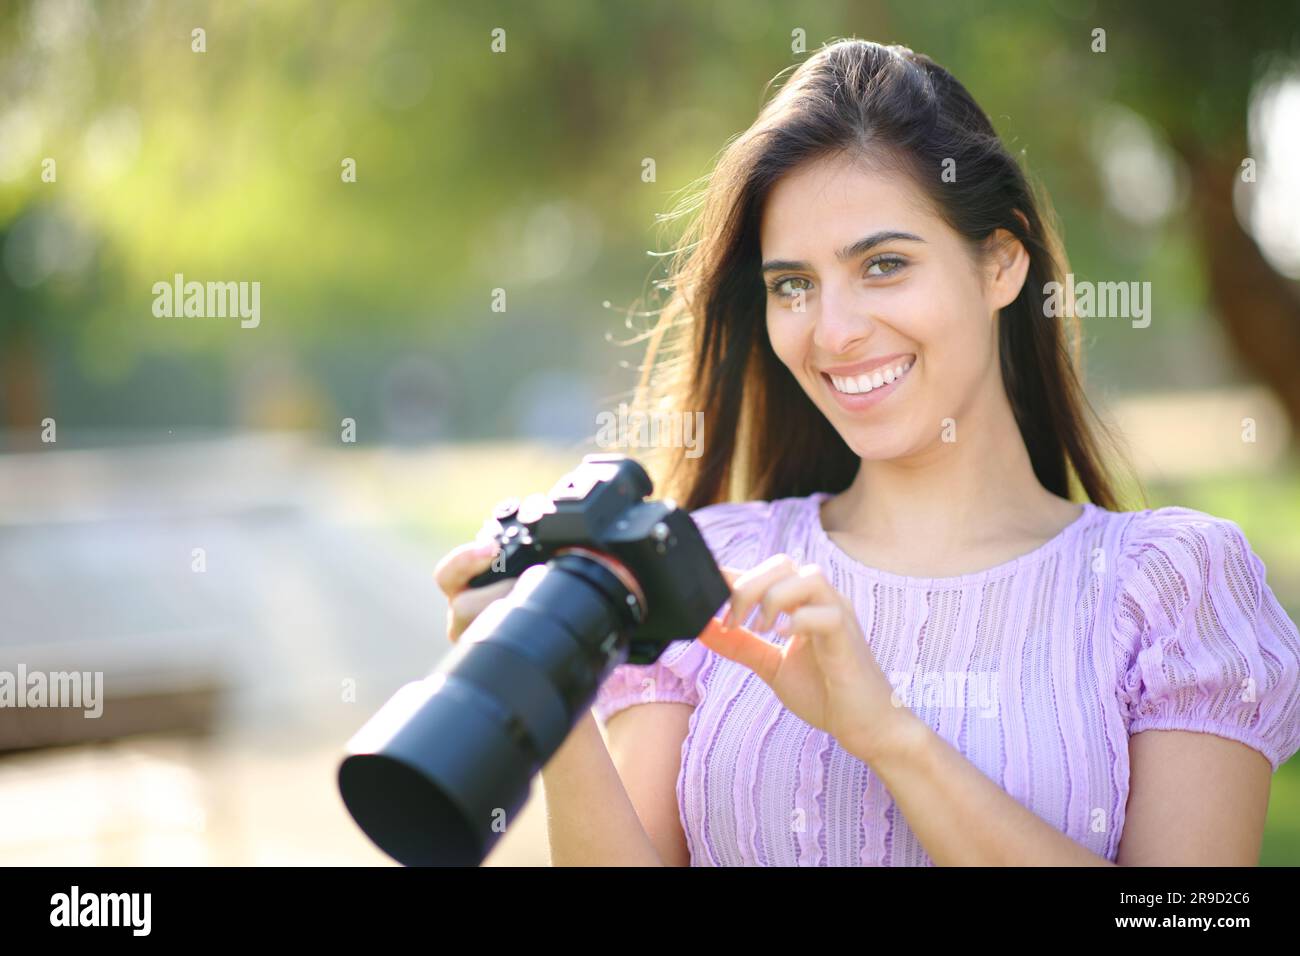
(1202, 642)
(731, 531)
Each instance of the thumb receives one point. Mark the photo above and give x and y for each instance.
(743, 646)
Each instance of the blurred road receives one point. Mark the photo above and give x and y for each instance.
(304, 590)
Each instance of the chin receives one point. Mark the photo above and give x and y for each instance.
(881, 444)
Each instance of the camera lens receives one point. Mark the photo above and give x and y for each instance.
(439, 772)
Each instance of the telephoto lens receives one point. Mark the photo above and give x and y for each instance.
(441, 770)
(444, 766)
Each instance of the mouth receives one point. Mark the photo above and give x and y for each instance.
(856, 392)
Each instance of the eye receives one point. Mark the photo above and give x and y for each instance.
(777, 286)
(897, 264)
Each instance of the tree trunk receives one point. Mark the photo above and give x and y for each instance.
(22, 393)
(1257, 306)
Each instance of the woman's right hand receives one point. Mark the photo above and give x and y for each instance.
(453, 573)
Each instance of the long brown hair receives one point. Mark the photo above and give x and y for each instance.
(709, 350)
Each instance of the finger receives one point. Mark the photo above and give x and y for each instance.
(461, 563)
(471, 602)
(807, 586)
(744, 647)
(731, 574)
(818, 620)
(751, 586)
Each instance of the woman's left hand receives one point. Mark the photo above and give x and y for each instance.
(826, 674)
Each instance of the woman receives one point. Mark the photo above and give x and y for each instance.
(950, 661)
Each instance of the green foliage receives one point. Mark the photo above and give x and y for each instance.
(521, 170)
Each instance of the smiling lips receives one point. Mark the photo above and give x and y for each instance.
(848, 380)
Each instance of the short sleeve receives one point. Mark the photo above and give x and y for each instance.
(671, 678)
(732, 532)
(1202, 643)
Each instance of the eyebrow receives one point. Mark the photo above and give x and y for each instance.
(848, 252)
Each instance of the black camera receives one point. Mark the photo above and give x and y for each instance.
(605, 578)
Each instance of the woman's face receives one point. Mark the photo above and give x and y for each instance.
(864, 280)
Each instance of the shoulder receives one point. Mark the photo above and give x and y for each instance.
(733, 530)
(1201, 641)
(1175, 522)
(1180, 555)
(733, 512)
(741, 532)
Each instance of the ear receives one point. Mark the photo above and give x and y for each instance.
(1009, 264)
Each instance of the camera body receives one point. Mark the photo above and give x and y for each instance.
(600, 507)
(605, 577)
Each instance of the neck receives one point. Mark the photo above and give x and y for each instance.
(954, 494)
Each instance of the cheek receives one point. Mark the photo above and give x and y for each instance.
(960, 357)
(925, 313)
(941, 320)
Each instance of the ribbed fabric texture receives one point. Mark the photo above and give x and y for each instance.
(1037, 670)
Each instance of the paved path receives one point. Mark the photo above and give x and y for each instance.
(303, 589)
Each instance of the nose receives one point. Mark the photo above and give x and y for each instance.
(842, 323)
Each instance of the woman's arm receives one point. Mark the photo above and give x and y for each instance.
(1195, 799)
(645, 741)
(961, 817)
(602, 814)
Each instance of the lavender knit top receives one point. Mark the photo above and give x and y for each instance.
(1038, 670)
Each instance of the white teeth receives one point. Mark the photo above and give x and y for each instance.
(859, 384)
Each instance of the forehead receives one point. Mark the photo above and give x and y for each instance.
(825, 203)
